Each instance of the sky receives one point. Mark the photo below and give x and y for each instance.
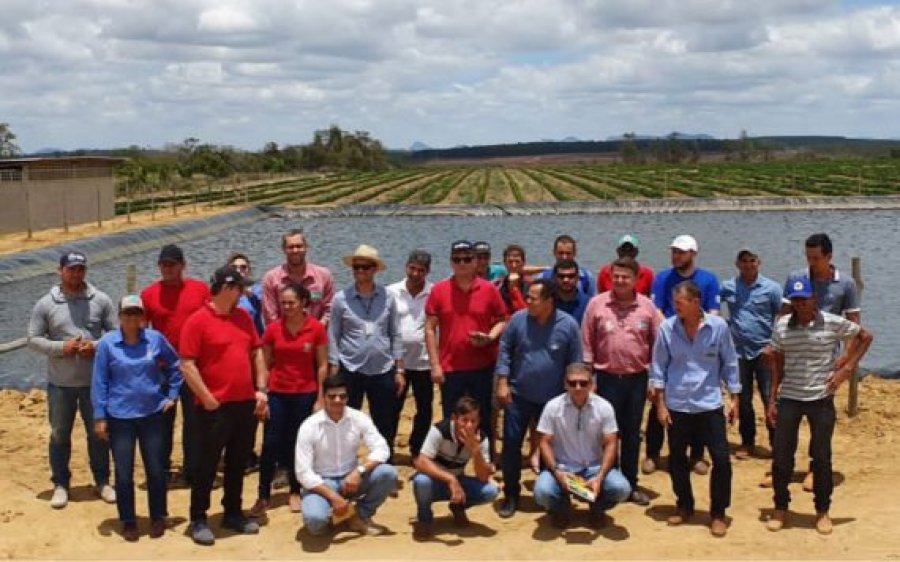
(113, 73)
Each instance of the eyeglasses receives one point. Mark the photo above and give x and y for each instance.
(578, 384)
(566, 275)
(336, 396)
(363, 266)
(459, 260)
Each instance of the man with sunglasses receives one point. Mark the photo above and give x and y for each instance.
(465, 316)
(167, 304)
(364, 341)
(570, 295)
(297, 269)
(326, 463)
(566, 249)
(535, 349)
(579, 441)
(693, 357)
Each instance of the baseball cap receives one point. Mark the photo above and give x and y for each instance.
(685, 243)
(131, 301)
(629, 239)
(799, 287)
(228, 275)
(461, 246)
(72, 259)
(171, 252)
(481, 247)
(747, 250)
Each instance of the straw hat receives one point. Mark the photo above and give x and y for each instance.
(365, 252)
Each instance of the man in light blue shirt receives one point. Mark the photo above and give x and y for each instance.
(364, 341)
(535, 349)
(752, 301)
(692, 357)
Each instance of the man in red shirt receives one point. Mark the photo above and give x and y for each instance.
(628, 245)
(167, 304)
(465, 316)
(296, 269)
(618, 333)
(222, 363)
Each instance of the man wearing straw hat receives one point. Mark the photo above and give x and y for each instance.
(364, 341)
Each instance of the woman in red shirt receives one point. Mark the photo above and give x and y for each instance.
(296, 352)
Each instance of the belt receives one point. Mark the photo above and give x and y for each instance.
(621, 376)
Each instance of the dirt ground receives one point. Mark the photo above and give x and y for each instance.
(865, 511)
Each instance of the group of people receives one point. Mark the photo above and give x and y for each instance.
(569, 358)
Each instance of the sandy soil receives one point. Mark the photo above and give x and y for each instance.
(866, 508)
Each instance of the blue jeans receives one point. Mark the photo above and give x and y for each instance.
(627, 395)
(423, 392)
(549, 494)
(374, 489)
(476, 384)
(379, 390)
(62, 403)
(707, 428)
(286, 413)
(427, 490)
(821, 417)
(147, 432)
(516, 419)
(753, 370)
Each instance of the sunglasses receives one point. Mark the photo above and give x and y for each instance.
(467, 259)
(363, 266)
(578, 384)
(337, 396)
(566, 275)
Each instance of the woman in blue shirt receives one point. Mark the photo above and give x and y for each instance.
(136, 378)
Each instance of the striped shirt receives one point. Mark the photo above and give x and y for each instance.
(442, 447)
(809, 353)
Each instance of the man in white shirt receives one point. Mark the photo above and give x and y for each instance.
(410, 294)
(326, 464)
(579, 438)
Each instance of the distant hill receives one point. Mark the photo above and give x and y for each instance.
(417, 146)
(679, 136)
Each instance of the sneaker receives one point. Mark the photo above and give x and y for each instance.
(650, 465)
(776, 521)
(60, 498)
(743, 452)
(130, 532)
(681, 516)
(157, 528)
(460, 519)
(106, 492)
(700, 467)
(241, 524)
(718, 527)
(808, 484)
(639, 497)
(259, 508)
(823, 523)
(363, 526)
(295, 502)
(202, 534)
(422, 531)
(508, 508)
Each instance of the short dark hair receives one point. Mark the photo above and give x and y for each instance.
(419, 257)
(299, 290)
(291, 233)
(687, 288)
(820, 240)
(581, 369)
(629, 263)
(548, 287)
(466, 405)
(337, 380)
(513, 248)
(564, 264)
(564, 239)
(237, 256)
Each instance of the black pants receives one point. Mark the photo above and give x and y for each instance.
(655, 435)
(707, 428)
(423, 392)
(381, 394)
(821, 417)
(230, 427)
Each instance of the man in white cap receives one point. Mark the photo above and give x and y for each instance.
(364, 341)
(627, 246)
(684, 268)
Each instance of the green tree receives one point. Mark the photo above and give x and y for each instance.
(8, 146)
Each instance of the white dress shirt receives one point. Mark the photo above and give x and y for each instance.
(412, 325)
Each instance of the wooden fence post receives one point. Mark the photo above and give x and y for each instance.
(853, 395)
(130, 279)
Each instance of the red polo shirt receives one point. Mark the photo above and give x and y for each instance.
(168, 306)
(220, 344)
(293, 369)
(642, 285)
(459, 313)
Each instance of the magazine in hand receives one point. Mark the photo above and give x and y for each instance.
(579, 488)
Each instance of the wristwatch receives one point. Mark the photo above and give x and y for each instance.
(361, 469)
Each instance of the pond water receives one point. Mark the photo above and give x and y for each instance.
(779, 236)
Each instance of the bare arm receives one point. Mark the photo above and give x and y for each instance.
(195, 382)
(431, 344)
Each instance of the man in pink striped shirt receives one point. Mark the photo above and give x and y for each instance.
(296, 269)
(618, 333)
